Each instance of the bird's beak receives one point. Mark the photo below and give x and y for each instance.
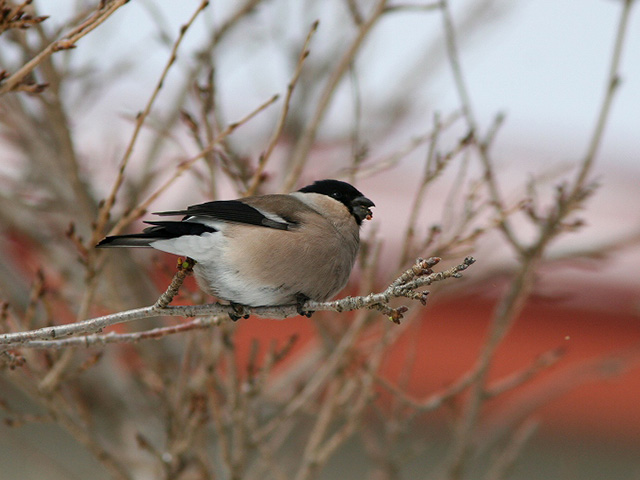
(362, 208)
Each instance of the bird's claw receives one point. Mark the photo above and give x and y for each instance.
(300, 302)
(239, 311)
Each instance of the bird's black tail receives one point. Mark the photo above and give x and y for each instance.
(135, 240)
(159, 231)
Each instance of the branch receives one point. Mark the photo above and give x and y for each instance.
(186, 165)
(14, 81)
(304, 143)
(16, 17)
(405, 286)
(105, 210)
(568, 199)
(264, 157)
(491, 181)
(613, 81)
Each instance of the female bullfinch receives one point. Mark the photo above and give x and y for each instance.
(268, 249)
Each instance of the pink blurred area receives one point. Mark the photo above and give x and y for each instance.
(592, 390)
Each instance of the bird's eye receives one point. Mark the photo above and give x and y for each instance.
(336, 195)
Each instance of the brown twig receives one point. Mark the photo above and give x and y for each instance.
(542, 363)
(389, 161)
(483, 146)
(304, 143)
(264, 156)
(140, 209)
(104, 11)
(505, 461)
(16, 16)
(567, 200)
(185, 268)
(105, 210)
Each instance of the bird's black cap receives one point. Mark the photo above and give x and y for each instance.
(344, 192)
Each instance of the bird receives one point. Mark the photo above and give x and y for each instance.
(265, 250)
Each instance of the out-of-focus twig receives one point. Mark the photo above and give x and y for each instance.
(304, 143)
(16, 16)
(568, 198)
(504, 463)
(264, 157)
(140, 209)
(104, 11)
(105, 210)
(391, 160)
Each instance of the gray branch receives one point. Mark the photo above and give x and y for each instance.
(419, 275)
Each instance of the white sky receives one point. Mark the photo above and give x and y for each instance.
(541, 62)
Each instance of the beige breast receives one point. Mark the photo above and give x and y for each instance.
(323, 247)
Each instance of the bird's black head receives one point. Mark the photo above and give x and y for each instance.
(351, 197)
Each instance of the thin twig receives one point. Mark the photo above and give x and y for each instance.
(502, 466)
(467, 108)
(105, 210)
(105, 10)
(185, 267)
(613, 82)
(542, 363)
(520, 288)
(186, 165)
(391, 160)
(304, 143)
(264, 157)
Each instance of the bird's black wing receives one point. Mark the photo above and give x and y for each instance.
(158, 231)
(230, 211)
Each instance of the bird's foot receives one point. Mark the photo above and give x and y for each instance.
(301, 299)
(239, 311)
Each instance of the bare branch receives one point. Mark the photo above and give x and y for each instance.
(106, 9)
(264, 157)
(613, 81)
(502, 466)
(105, 210)
(305, 142)
(186, 165)
(418, 276)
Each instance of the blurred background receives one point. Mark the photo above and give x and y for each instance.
(463, 120)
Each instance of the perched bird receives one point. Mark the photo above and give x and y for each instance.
(268, 249)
